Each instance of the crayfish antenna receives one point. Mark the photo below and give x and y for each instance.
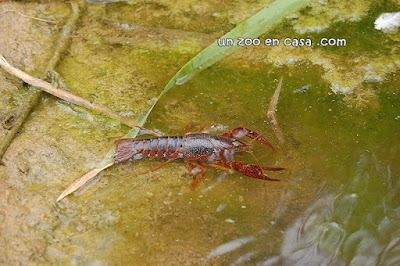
(147, 130)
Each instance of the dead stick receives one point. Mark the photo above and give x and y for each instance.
(64, 95)
(26, 16)
(271, 112)
(33, 99)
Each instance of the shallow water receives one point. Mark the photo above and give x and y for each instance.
(338, 202)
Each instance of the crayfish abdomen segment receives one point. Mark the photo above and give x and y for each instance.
(168, 147)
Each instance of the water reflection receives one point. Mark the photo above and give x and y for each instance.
(230, 246)
(359, 225)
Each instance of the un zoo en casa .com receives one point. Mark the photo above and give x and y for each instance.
(286, 42)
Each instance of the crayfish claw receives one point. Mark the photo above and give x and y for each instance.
(266, 168)
(251, 170)
(241, 132)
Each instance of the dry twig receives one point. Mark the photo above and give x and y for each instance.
(271, 112)
(64, 95)
(26, 16)
(34, 98)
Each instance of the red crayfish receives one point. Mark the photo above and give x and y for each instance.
(197, 150)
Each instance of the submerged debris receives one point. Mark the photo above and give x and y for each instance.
(230, 246)
(388, 21)
(302, 89)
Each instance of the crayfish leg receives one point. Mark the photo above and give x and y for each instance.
(156, 167)
(198, 131)
(201, 128)
(241, 132)
(218, 167)
(147, 130)
(188, 128)
(203, 172)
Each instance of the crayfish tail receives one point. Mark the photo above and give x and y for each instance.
(124, 151)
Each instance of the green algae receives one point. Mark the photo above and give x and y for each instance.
(212, 17)
(320, 15)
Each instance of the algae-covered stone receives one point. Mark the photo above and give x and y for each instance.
(320, 15)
